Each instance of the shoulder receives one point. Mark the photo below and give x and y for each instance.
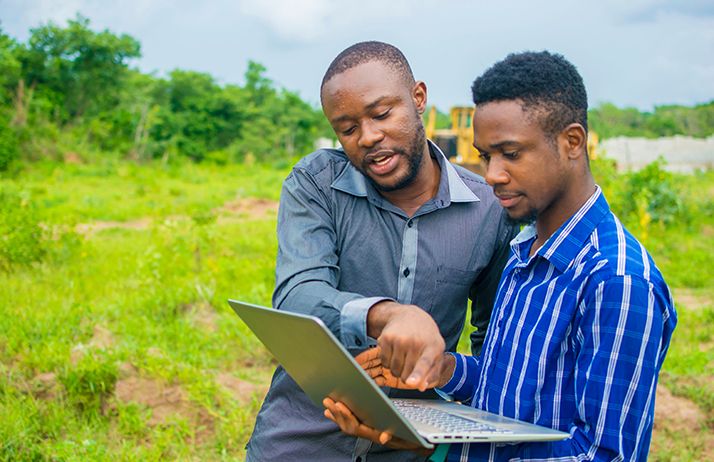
(622, 263)
(321, 166)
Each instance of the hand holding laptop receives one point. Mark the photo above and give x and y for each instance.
(371, 362)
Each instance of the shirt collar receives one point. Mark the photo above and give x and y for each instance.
(564, 245)
(352, 181)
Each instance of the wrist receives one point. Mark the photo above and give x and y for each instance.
(379, 316)
(447, 369)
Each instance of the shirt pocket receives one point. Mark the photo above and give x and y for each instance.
(449, 300)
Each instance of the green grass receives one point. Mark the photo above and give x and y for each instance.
(95, 311)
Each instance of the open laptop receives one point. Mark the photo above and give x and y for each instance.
(322, 367)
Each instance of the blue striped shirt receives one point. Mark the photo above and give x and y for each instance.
(577, 337)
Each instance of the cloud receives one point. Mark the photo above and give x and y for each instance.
(312, 20)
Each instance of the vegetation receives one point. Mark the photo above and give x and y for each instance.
(607, 120)
(69, 93)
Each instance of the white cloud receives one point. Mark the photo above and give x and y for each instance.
(310, 20)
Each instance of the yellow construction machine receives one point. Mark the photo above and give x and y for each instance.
(456, 142)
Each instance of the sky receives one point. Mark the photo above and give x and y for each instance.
(638, 53)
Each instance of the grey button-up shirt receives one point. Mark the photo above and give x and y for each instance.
(342, 248)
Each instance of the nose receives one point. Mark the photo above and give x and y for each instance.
(370, 135)
(495, 172)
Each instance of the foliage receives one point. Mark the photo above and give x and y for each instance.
(90, 382)
(609, 121)
(8, 144)
(21, 236)
(69, 93)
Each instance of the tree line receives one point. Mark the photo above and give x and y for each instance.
(72, 90)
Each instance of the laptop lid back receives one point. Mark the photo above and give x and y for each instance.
(310, 353)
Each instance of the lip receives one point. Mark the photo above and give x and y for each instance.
(508, 200)
(388, 160)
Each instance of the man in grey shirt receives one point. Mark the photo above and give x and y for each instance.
(385, 241)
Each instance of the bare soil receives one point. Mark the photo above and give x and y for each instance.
(679, 419)
(167, 402)
(251, 207)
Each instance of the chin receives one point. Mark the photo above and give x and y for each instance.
(521, 218)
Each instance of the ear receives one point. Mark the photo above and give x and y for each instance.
(419, 96)
(575, 140)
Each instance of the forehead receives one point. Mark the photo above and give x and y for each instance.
(500, 121)
(364, 83)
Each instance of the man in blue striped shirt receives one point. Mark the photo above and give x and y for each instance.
(583, 318)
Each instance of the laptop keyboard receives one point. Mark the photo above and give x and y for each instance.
(443, 420)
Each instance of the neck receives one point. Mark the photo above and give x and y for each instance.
(422, 189)
(549, 220)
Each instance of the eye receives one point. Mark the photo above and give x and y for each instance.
(383, 115)
(349, 131)
(510, 155)
(484, 156)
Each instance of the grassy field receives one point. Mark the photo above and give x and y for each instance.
(116, 342)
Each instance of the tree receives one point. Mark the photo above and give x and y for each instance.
(78, 69)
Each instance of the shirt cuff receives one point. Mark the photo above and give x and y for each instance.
(457, 378)
(353, 322)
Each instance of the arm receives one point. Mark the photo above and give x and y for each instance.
(483, 291)
(307, 271)
(307, 277)
(623, 336)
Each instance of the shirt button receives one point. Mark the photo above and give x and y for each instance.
(358, 341)
(406, 272)
(410, 223)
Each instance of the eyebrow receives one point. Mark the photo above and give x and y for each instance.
(369, 107)
(496, 146)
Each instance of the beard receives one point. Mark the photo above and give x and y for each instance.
(526, 219)
(414, 154)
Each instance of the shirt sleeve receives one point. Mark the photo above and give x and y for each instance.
(483, 291)
(307, 271)
(623, 336)
(462, 384)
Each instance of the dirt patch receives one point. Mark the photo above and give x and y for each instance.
(251, 207)
(72, 158)
(166, 402)
(203, 315)
(676, 413)
(242, 391)
(679, 419)
(691, 299)
(102, 339)
(97, 226)
(45, 386)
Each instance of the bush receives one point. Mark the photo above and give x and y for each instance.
(8, 145)
(652, 190)
(21, 236)
(90, 382)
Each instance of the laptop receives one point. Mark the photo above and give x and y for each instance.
(321, 365)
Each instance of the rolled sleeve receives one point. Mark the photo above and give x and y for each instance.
(353, 322)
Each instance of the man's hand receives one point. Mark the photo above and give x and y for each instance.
(411, 345)
(371, 362)
(348, 423)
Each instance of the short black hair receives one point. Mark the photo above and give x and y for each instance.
(545, 82)
(364, 52)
